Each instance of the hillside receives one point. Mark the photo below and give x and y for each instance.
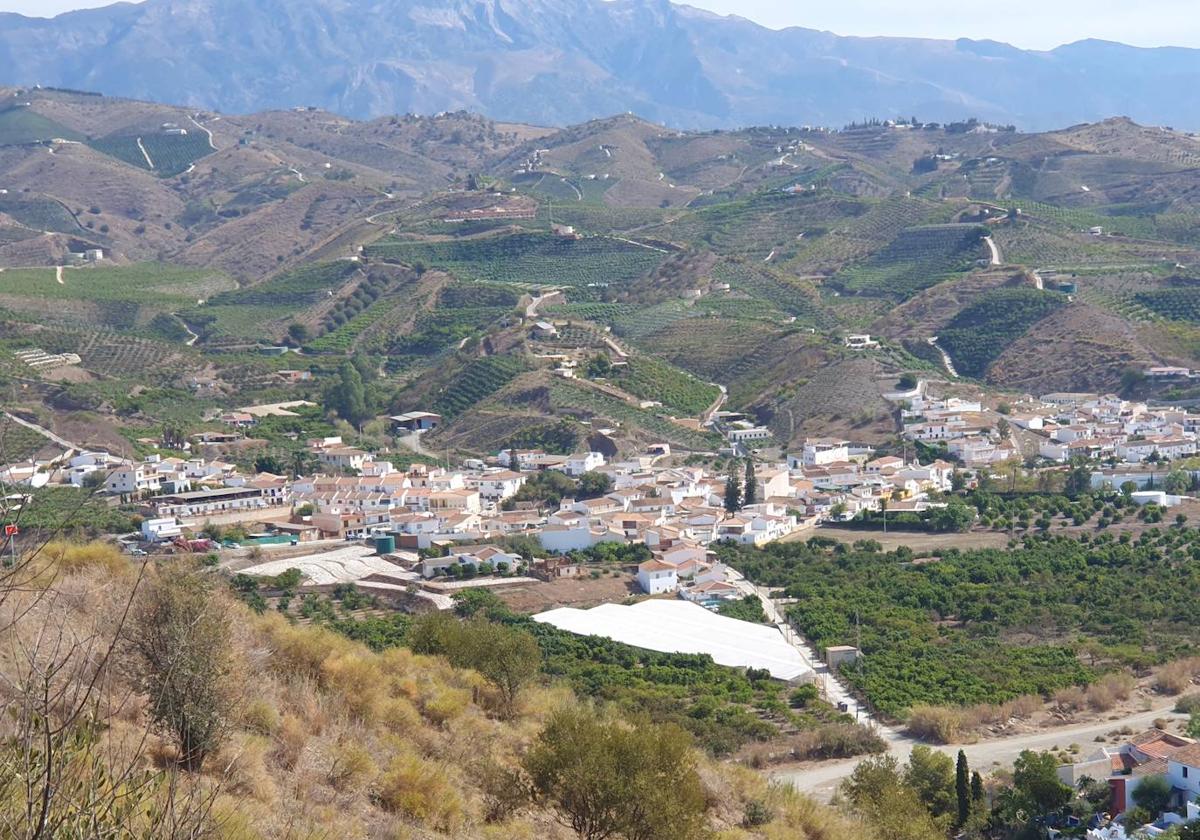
(430, 248)
(328, 737)
(554, 62)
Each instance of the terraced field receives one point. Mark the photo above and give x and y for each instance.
(918, 258)
(765, 285)
(124, 297)
(651, 379)
(980, 333)
(39, 213)
(529, 259)
(169, 154)
(20, 125)
(476, 382)
(577, 398)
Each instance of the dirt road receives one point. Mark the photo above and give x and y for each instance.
(822, 780)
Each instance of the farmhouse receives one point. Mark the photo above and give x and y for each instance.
(416, 421)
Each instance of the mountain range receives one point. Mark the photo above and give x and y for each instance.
(555, 62)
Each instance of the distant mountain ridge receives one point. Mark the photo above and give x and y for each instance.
(564, 61)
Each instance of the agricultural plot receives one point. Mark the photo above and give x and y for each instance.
(18, 443)
(528, 259)
(440, 330)
(475, 295)
(39, 213)
(1040, 246)
(292, 290)
(849, 240)
(20, 125)
(123, 297)
(602, 313)
(476, 382)
(1176, 304)
(169, 154)
(651, 379)
(764, 285)
(980, 333)
(114, 354)
(761, 224)
(574, 397)
(638, 324)
(918, 258)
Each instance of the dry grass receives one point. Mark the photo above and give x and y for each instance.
(333, 740)
(1177, 677)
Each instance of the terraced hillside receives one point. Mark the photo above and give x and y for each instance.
(472, 268)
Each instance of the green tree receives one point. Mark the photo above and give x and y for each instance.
(931, 775)
(1177, 482)
(593, 485)
(907, 382)
(347, 397)
(1079, 479)
(269, 464)
(733, 494)
(298, 332)
(1035, 780)
(976, 788)
(1153, 794)
(955, 517)
(877, 791)
(962, 788)
(181, 645)
(1193, 725)
(507, 657)
(607, 778)
(750, 493)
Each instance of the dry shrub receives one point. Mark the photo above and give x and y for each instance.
(510, 830)
(1176, 677)
(260, 717)
(1025, 706)
(244, 764)
(446, 704)
(799, 817)
(290, 741)
(399, 714)
(421, 790)
(836, 740)
(301, 650)
(1109, 690)
(1070, 699)
(67, 558)
(351, 766)
(353, 678)
(939, 724)
(1189, 704)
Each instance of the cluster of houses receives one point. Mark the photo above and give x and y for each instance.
(1154, 754)
(1064, 426)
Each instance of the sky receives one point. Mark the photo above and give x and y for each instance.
(1032, 24)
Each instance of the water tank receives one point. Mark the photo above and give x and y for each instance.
(385, 544)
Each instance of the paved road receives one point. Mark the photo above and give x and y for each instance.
(821, 780)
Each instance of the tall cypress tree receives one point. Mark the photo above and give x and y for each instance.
(733, 494)
(977, 788)
(962, 787)
(750, 493)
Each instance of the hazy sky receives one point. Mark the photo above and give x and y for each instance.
(1037, 24)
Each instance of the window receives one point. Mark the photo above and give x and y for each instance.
(1185, 771)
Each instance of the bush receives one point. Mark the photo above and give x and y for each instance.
(1175, 677)
(1188, 704)
(837, 740)
(421, 790)
(939, 724)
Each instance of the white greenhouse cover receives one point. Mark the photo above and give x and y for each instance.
(683, 627)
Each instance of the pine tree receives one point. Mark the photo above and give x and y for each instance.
(976, 788)
(962, 787)
(733, 494)
(750, 493)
